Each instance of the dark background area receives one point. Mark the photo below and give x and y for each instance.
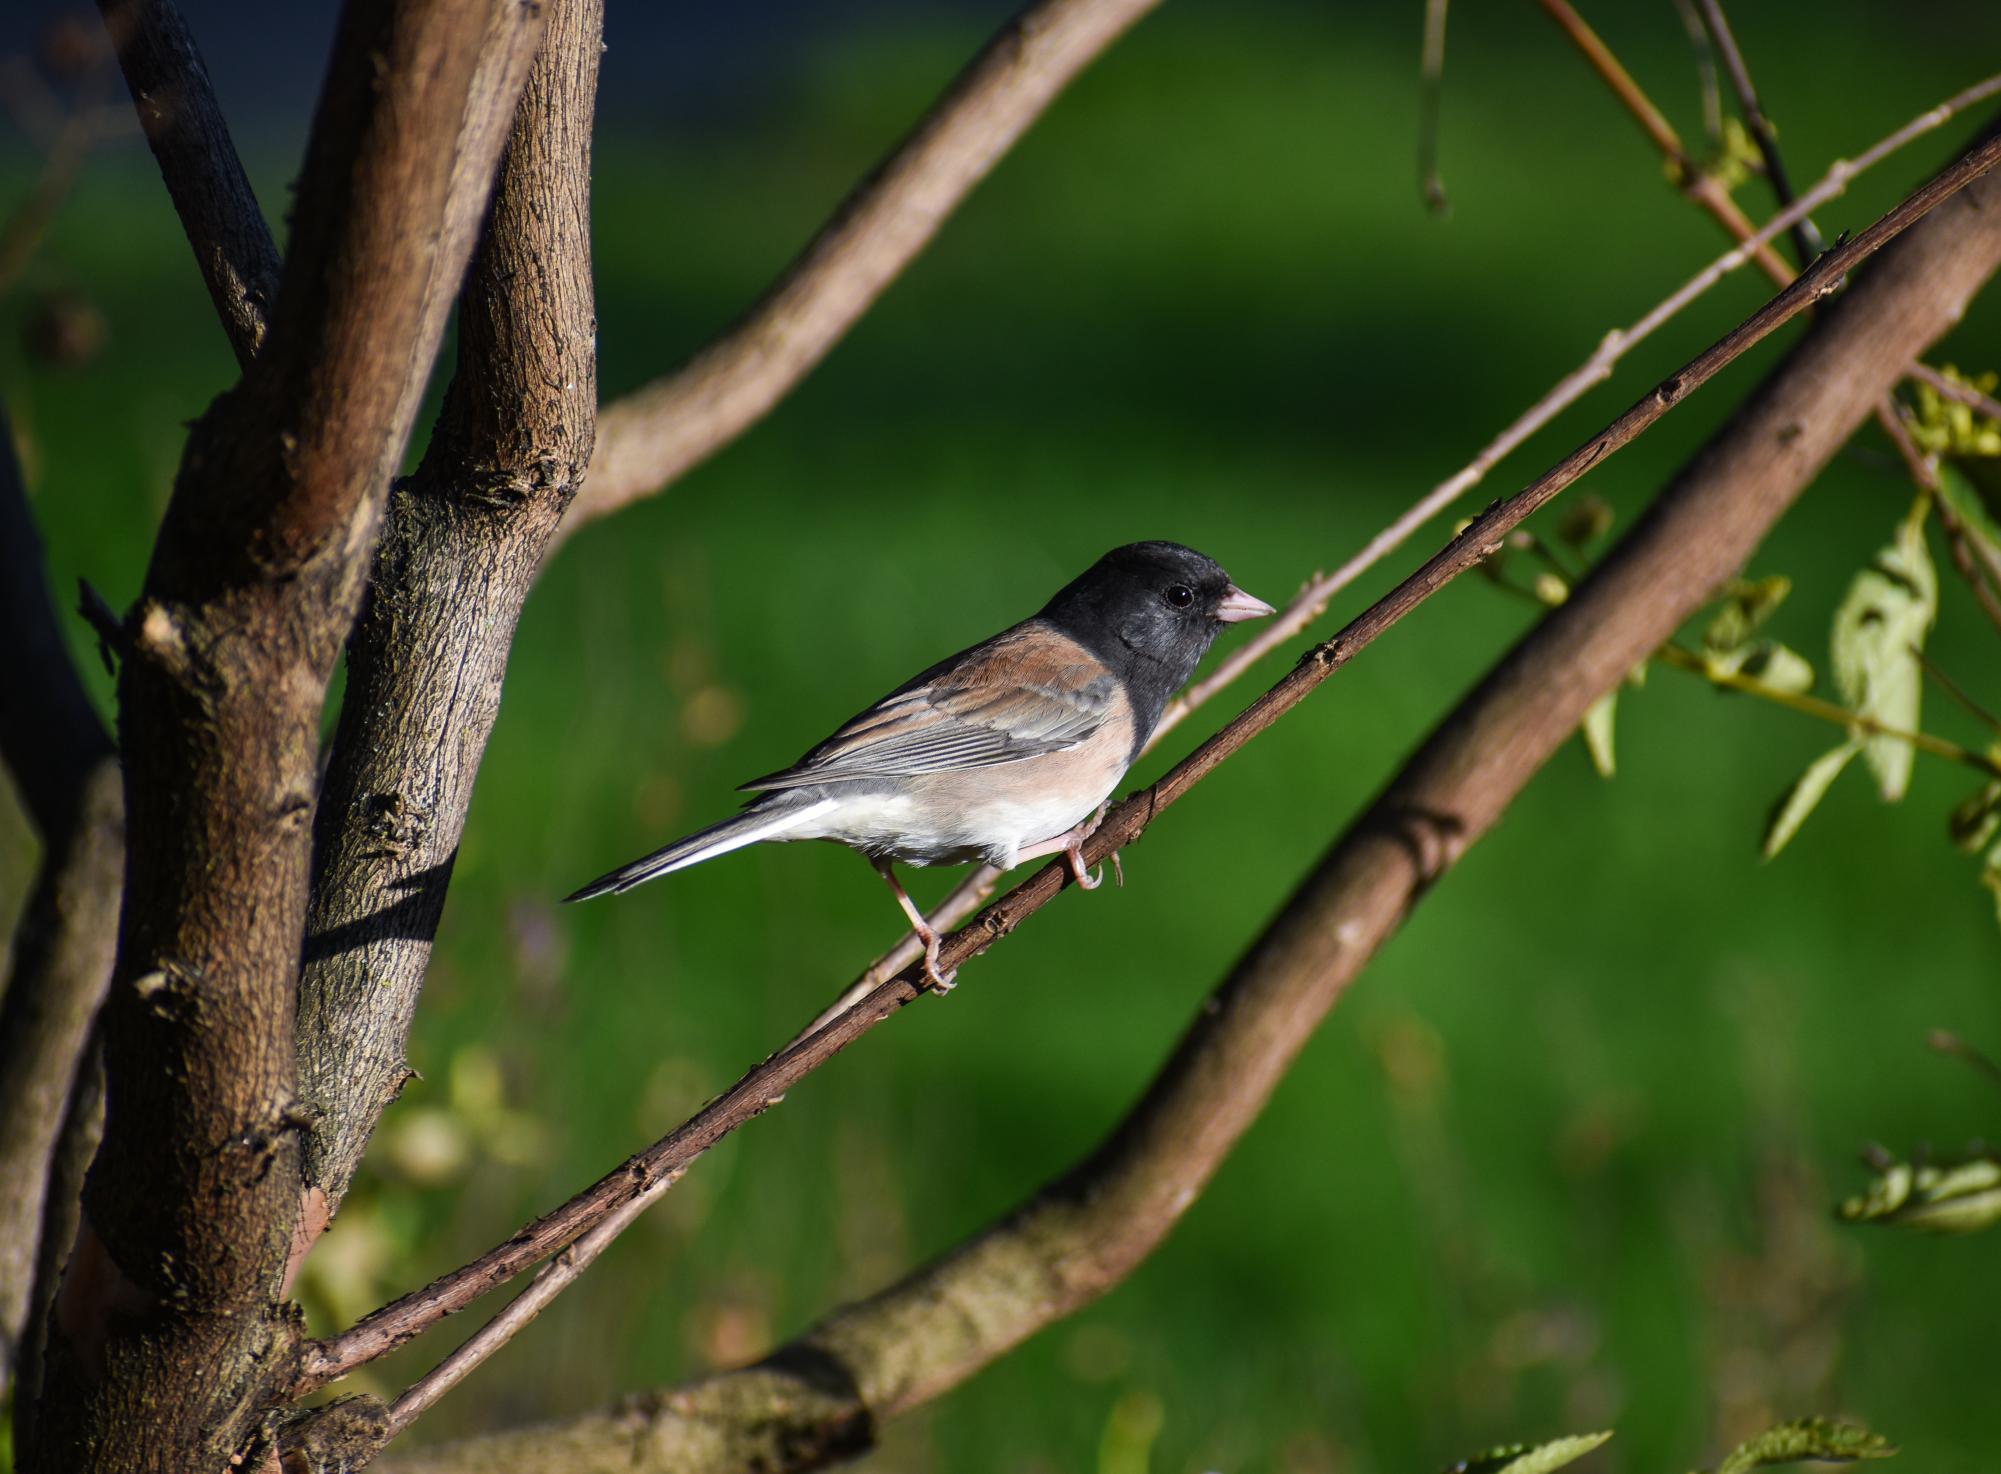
(1566, 1156)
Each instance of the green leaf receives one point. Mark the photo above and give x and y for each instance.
(1951, 1197)
(1747, 603)
(1807, 1438)
(1597, 732)
(1878, 630)
(1766, 661)
(1526, 1458)
(1800, 800)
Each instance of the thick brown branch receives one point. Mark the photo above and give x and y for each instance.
(648, 1173)
(172, 1302)
(652, 436)
(461, 546)
(61, 761)
(821, 1396)
(184, 126)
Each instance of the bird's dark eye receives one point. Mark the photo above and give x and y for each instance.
(1179, 595)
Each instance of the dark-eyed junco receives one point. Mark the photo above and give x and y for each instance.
(1003, 752)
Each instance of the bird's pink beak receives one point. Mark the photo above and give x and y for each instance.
(1238, 605)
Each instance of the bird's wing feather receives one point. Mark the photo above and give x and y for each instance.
(1023, 693)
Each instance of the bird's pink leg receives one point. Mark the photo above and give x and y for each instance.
(1071, 843)
(926, 934)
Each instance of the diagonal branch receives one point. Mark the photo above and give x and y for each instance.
(650, 1173)
(657, 433)
(252, 587)
(822, 1395)
(464, 538)
(184, 126)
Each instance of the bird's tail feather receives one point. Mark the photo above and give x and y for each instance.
(705, 844)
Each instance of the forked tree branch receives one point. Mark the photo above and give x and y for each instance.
(648, 1174)
(463, 541)
(252, 587)
(655, 434)
(823, 1395)
(184, 127)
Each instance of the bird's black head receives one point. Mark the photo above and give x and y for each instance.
(1150, 611)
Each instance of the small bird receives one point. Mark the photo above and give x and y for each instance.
(1004, 752)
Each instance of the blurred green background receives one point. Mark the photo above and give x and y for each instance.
(1564, 1158)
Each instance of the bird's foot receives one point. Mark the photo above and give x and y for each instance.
(941, 982)
(1085, 880)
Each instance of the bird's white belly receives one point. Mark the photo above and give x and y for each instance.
(926, 827)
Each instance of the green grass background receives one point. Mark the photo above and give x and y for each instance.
(1564, 1158)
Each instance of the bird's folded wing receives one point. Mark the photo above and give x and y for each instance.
(1025, 693)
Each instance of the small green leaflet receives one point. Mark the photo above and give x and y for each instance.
(1878, 629)
(1953, 1197)
(1525, 1458)
(1807, 1438)
(1767, 662)
(1597, 732)
(1807, 791)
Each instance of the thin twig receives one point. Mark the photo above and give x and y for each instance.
(1827, 711)
(1705, 72)
(1806, 240)
(1957, 692)
(647, 1175)
(1430, 93)
(1923, 469)
(1952, 388)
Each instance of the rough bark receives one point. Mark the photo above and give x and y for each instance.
(817, 1398)
(172, 1340)
(463, 540)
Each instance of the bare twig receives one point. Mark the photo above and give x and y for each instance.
(1806, 240)
(1958, 693)
(1430, 94)
(1705, 72)
(1952, 388)
(652, 436)
(824, 1394)
(647, 1174)
(1923, 471)
(184, 126)
(22, 231)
